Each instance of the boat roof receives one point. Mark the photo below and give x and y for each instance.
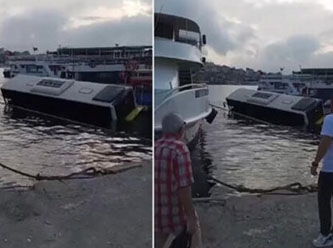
(317, 71)
(101, 50)
(272, 100)
(67, 89)
(177, 21)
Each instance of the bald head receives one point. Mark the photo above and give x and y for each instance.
(172, 123)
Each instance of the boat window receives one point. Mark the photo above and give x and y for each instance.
(164, 30)
(31, 68)
(304, 104)
(262, 95)
(298, 85)
(51, 83)
(108, 94)
(281, 86)
(189, 37)
(313, 92)
(86, 90)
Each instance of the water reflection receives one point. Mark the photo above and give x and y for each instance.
(37, 144)
(202, 167)
(239, 151)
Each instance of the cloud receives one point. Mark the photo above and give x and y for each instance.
(223, 35)
(46, 24)
(110, 33)
(261, 34)
(40, 28)
(290, 52)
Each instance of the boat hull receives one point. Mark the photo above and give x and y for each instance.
(81, 112)
(274, 116)
(276, 108)
(191, 135)
(86, 102)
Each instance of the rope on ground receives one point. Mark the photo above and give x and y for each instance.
(296, 188)
(84, 174)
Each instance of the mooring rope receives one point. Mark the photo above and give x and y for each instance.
(83, 174)
(241, 115)
(296, 188)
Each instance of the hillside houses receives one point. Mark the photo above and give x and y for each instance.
(222, 74)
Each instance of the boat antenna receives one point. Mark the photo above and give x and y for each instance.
(162, 5)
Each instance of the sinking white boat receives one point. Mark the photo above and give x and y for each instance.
(277, 108)
(92, 103)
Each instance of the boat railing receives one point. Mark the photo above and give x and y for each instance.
(162, 96)
(100, 59)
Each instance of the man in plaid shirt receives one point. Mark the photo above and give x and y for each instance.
(174, 209)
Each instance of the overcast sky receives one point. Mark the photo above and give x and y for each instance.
(46, 24)
(262, 34)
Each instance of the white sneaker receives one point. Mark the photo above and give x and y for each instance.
(323, 241)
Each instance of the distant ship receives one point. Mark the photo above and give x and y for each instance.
(130, 65)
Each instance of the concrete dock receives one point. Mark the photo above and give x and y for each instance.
(252, 221)
(107, 211)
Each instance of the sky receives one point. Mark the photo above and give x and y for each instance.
(48, 24)
(262, 34)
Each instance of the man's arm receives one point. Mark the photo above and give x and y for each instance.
(185, 198)
(184, 178)
(325, 143)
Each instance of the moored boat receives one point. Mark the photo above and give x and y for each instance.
(177, 45)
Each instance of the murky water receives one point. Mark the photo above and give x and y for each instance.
(253, 154)
(36, 144)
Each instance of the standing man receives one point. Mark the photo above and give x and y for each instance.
(325, 182)
(174, 212)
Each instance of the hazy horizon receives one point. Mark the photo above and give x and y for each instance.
(262, 34)
(48, 24)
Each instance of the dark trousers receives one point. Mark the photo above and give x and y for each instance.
(183, 240)
(325, 192)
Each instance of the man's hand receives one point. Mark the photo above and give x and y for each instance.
(314, 167)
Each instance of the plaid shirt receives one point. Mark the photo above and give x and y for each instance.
(173, 170)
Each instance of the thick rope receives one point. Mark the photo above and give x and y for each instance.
(296, 188)
(241, 115)
(84, 174)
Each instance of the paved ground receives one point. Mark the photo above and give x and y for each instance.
(110, 211)
(259, 222)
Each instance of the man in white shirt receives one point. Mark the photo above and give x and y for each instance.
(325, 183)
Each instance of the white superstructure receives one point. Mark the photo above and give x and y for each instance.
(283, 84)
(37, 65)
(178, 56)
